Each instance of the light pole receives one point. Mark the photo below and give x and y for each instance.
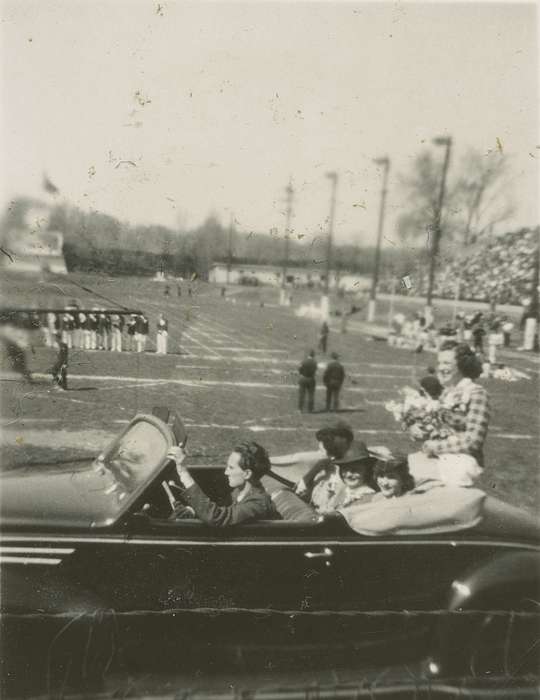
(229, 252)
(288, 213)
(385, 162)
(445, 141)
(333, 177)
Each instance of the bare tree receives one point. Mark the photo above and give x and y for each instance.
(477, 197)
(482, 194)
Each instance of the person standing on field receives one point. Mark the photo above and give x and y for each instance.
(162, 335)
(333, 378)
(323, 337)
(306, 382)
(116, 333)
(141, 332)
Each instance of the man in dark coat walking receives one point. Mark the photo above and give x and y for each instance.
(333, 378)
(59, 370)
(323, 337)
(306, 382)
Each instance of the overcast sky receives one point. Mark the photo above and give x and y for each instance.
(216, 106)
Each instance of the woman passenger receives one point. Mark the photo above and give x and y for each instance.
(356, 481)
(393, 477)
(247, 463)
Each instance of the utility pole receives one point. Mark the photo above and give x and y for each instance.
(229, 252)
(333, 178)
(288, 214)
(436, 234)
(385, 162)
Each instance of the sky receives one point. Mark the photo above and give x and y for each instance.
(166, 112)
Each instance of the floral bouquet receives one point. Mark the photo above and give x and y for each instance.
(420, 416)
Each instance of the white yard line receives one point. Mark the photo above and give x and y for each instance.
(216, 327)
(216, 355)
(270, 428)
(210, 324)
(269, 350)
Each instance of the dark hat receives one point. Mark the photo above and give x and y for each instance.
(341, 429)
(357, 452)
(334, 356)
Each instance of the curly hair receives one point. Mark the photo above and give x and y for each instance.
(253, 456)
(395, 468)
(467, 360)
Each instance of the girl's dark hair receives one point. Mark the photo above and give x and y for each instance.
(396, 468)
(467, 361)
(253, 456)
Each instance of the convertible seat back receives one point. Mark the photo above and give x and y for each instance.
(441, 509)
(290, 506)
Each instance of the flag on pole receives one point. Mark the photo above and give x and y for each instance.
(48, 186)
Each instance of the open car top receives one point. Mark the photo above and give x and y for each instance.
(132, 468)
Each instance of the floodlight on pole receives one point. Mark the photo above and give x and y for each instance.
(385, 163)
(445, 141)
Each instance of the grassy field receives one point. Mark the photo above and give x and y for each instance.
(231, 373)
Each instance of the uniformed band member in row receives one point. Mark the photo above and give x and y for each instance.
(333, 378)
(96, 331)
(162, 335)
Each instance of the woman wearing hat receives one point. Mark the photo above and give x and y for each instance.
(344, 476)
(356, 472)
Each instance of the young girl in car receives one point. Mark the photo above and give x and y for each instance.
(393, 477)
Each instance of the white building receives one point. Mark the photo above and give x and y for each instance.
(34, 248)
(273, 274)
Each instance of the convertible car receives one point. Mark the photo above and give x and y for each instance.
(96, 576)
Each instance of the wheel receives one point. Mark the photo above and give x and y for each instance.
(491, 643)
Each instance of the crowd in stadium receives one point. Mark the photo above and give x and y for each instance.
(499, 269)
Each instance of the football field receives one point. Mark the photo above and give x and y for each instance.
(231, 373)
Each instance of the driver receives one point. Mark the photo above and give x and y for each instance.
(247, 463)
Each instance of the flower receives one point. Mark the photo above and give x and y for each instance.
(422, 417)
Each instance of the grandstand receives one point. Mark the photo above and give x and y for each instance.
(499, 269)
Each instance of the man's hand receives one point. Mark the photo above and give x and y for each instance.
(301, 488)
(178, 455)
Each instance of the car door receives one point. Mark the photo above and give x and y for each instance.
(252, 587)
(271, 565)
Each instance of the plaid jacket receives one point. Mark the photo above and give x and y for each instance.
(469, 420)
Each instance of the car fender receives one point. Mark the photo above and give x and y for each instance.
(505, 583)
(501, 581)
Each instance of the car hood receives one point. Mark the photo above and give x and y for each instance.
(76, 497)
(93, 494)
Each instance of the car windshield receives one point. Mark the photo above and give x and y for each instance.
(135, 456)
(92, 496)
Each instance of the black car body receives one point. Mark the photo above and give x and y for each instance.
(94, 573)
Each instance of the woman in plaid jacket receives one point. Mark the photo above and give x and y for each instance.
(465, 409)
